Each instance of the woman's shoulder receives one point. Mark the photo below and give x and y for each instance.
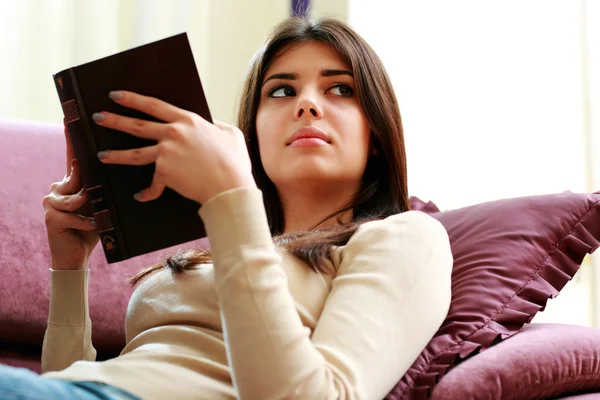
(411, 238)
(415, 224)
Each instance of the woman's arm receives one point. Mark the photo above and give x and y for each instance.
(390, 295)
(68, 336)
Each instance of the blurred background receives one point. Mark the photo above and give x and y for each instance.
(498, 99)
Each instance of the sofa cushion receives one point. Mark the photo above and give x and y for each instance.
(21, 356)
(540, 361)
(583, 396)
(510, 256)
(33, 158)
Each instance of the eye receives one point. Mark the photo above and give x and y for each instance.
(342, 89)
(281, 91)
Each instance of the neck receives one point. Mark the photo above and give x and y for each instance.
(304, 207)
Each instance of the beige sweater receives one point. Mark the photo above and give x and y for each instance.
(260, 324)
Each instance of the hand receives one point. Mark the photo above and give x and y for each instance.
(193, 157)
(71, 236)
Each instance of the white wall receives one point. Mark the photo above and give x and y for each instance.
(490, 94)
(499, 99)
(330, 8)
(591, 46)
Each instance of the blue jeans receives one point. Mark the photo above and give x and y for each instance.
(23, 384)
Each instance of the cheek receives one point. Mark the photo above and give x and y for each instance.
(362, 151)
(361, 134)
(266, 129)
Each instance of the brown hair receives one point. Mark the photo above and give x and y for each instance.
(383, 191)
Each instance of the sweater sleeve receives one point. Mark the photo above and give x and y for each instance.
(390, 295)
(68, 336)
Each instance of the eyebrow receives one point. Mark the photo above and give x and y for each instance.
(292, 76)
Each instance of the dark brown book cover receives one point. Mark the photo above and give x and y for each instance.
(164, 69)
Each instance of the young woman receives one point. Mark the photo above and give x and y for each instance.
(320, 284)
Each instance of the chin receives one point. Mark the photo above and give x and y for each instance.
(308, 170)
(305, 176)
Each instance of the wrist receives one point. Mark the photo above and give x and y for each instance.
(67, 266)
(231, 184)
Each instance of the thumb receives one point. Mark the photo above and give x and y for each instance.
(70, 153)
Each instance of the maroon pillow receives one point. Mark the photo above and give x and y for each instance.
(541, 361)
(510, 256)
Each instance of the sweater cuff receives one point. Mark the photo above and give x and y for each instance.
(69, 297)
(235, 219)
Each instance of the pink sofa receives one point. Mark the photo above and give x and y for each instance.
(33, 158)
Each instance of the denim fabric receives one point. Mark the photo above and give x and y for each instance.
(23, 384)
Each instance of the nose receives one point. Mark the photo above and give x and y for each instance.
(308, 105)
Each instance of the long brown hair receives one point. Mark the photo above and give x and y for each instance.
(383, 191)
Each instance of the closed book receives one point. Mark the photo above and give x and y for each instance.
(166, 70)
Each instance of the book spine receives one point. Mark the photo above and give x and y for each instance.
(79, 127)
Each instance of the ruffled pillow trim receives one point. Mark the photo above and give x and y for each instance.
(545, 283)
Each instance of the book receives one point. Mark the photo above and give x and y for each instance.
(163, 69)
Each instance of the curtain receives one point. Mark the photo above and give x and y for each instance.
(42, 37)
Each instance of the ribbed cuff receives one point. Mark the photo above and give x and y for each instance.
(69, 297)
(234, 219)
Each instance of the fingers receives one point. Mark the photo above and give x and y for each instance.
(139, 156)
(234, 130)
(149, 105)
(75, 183)
(151, 193)
(61, 211)
(71, 183)
(136, 127)
(222, 125)
(60, 220)
(70, 153)
(154, 107)
(65, 202)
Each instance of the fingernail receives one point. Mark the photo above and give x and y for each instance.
(138, 195)
(92, 222)
(115, 95)
(102, 154)
(98, 117)
(72, 164)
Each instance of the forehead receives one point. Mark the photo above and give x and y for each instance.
(312, 55)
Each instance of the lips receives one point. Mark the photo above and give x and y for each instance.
(308, 134)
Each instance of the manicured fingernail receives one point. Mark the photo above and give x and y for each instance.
(98, 117)
(102, 154)
(138, 195)
(115, 95)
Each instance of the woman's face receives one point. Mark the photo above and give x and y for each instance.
(311, 128)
